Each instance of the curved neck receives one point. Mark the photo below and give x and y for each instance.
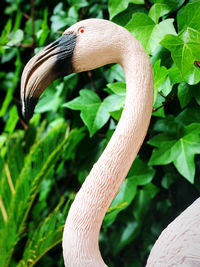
(81, 233)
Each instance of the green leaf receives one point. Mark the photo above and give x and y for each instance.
(74, 138)
(12, 86)
(183, 53)
(169, 177)
(123, 198)
(185, 48)
(175, 75)
(50, 100)
(127, 235)
(140, 173)
(39, 163)
(162, 7)
(94, 113)
(143, 200)
(78, 4)
(148, 32)
(46, 236)
(18, 20)
(116, 114)
(180, 151)
(186, 92)
(188, 17)
(17, 37)
(12, 121)
(193, 76)
(4, 35)
(118, 88)
(115, 73)
(169, 125)
(60, 19)
(43, 33)
(117, 6)
(160, 74)
(160, 112)
(189, 115)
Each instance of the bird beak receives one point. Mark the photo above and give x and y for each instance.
(53, 62)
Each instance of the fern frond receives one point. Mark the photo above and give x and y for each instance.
(39, 162)
(46, 236)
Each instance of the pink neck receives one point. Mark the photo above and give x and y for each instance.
(81, 233)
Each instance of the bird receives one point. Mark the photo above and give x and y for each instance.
(84, 46)
(179, 242)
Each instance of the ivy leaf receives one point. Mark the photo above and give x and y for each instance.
(140, 173)
(50, 100)
(4, 35)
(185, 48)
(78, 4)
(60, 19)
(169, 125)
(148, 32)
(186, 92)
(118, 88)
(188, 17)
(143, 201)
(175, 75)
(16, 38)
(189, 115)
(94, 113)
(158, 10)
(162, 7)
(115, 73)
(117, 6)
(123, 198)
(160, 74)
(180, 151)
(193, 76)
(183, 53)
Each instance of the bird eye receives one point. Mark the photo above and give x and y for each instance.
(81, 30)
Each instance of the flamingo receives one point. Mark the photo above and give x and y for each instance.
(84, 46)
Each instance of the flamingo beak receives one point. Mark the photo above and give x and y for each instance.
(51, 63)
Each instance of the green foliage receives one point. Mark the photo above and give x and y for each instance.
(148, 32)
(94, 113)
(43, 164)
(179, 149)
(161, 8)
(185, 47)
(47, 235)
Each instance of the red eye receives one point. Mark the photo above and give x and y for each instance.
(81, 30)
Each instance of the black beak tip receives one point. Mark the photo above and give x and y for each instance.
(28, 108)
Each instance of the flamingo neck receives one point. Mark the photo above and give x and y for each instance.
(81, 233)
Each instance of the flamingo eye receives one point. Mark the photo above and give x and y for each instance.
(81, 30)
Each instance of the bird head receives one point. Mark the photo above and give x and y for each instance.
(84, 46)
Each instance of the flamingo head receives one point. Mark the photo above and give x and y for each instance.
(86, 45)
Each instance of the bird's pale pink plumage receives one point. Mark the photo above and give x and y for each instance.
(179, 243)
(81, 233)
(97, 42)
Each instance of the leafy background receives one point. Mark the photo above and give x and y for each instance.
(43, 164)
